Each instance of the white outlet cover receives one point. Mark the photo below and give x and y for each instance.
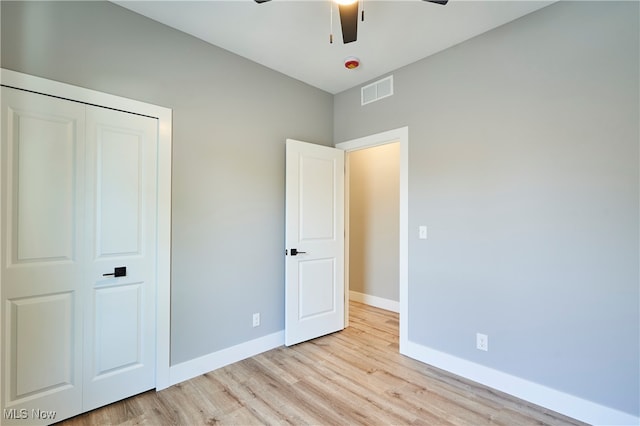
(482, 342)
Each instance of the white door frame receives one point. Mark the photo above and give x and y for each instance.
(396, 135)
(163, 233)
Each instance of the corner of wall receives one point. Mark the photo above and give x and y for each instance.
(201, 365)
(552, 399)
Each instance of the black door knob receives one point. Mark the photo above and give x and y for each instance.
(120, 271)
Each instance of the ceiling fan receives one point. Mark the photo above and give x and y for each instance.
(349, 17)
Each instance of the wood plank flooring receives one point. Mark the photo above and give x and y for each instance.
(354, 377)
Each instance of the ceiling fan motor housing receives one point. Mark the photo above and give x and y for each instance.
(348, 10)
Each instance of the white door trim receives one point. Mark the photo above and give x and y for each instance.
(164, 115)
(402, 135)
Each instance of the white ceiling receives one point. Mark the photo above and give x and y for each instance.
(293, 36)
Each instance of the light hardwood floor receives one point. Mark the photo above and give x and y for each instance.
(352, 377)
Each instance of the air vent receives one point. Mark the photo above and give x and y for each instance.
(377, 90)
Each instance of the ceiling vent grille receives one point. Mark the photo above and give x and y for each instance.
(377, 90)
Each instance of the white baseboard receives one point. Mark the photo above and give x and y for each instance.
(195, 367)
(378, 302)
(552, 399)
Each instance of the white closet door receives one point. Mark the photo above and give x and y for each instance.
(78, 200)
(42, 257)
(121, 233)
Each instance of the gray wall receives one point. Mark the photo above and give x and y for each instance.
(231, 118)
(374, 218)
(523, 162)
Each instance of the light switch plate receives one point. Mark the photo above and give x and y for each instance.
(422, 232)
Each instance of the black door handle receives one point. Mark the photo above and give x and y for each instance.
(120, 271)
(295, 252)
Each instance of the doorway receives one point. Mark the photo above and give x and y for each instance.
(373, 209)
(400, 137)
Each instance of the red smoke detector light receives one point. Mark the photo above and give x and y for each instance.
(351, 63)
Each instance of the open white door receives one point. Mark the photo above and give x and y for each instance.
(314, 266)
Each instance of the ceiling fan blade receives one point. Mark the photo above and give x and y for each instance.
(442, 2)
(262, 1)
(349, 21)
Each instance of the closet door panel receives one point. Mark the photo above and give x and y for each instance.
(41, 256)
(120, 308)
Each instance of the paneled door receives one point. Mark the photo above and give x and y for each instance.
(119, 311)
(43, 255)
(314, 265)
(77, 204)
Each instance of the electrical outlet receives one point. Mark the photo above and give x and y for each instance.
(482, 342)
(256, 319)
